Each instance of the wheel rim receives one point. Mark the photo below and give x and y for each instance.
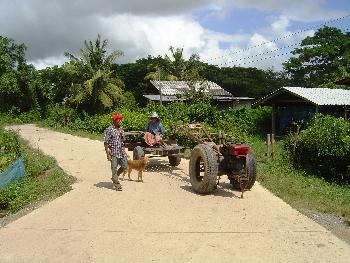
(200, 169)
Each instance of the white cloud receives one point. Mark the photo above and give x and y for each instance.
(299, 10)
(144, 35)
(48, 62)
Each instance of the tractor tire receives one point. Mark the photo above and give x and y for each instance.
(138, 153)
(174, 160)
(251, 170)
(203, 159)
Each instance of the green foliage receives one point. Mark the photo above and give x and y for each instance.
(61, 116)
(19, 194)
(10, 148)
(302, 190)
(16, 77)
(323, 148)
(133, 75)
(237, 124)
(239, 81)
(14, 117)
(58, 80)
(94, 88)
(21, 88)
(245, 82)
(98, 94)
(129, 102)
(322, 59)
(36, 163)
(181, 69)
(11, 55)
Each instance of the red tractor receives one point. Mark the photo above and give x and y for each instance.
(209, 161)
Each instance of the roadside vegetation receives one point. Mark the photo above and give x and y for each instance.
(44, 180)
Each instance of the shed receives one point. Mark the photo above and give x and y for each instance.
(170, 91)
(298, 103)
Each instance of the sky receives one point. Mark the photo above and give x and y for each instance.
(247, 33)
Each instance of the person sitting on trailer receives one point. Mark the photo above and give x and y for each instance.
(154, 131)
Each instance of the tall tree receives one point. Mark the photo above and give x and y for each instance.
(16, 76)
(180, 68)
(59, 81)
(321, 60)
(94, 87)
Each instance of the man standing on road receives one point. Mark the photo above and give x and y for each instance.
(114, 147)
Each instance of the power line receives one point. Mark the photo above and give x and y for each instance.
(256, 60)
(265, 53)
(282, 37)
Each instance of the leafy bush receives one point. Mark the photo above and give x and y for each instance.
(36, 163)
(237, 124)
(10, 148)
(202, 112)
(61, 116)
(250, 121)
(323, 148)
(14, 117)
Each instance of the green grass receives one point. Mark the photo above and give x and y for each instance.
(22, 193)
(301, 190)
(44, 181)
(80, 133)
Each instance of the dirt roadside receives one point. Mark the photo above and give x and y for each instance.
(158, 220)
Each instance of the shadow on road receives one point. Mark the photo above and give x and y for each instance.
(108, 185)
(217, 192)
(224, 189)
(160, 166)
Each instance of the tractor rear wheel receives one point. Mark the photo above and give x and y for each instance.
(138, 153)
(251, 174)
(203, 169)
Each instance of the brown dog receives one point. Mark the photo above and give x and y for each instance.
(138, 165)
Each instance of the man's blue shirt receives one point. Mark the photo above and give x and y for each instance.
(155, 128)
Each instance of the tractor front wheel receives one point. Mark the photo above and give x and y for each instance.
(251, 174)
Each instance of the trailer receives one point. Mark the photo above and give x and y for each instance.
(139, 148)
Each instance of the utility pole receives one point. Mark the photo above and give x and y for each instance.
(160, 89)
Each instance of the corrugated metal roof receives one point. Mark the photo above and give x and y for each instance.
(157, 97)
(317, 96)
(322, 96)
(181, 87)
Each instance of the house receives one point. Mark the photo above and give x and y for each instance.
(300, 104)
(170, 91)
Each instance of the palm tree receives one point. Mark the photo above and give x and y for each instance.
(181, 69)
(94, 89)
(158, 73)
